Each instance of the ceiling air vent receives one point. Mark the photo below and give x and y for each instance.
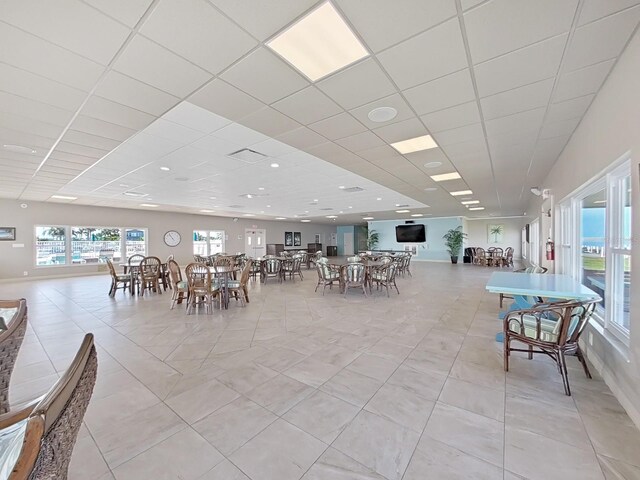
(247, 156)
(236, 206)
(353, 189)
(326, 209)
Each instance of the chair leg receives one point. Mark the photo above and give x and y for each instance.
(530, 354)
(583, 361)
(507, 351)
(562, 364)
(501, 299)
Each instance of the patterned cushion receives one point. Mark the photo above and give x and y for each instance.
(182, 284)
(549, 329)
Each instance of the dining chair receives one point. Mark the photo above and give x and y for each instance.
(199, 259)
(179, 286)
(385, 276)
(353, 275)
(13, 320)
(240, 287)
(117, 280)
(133, 267)
(150, 271)
(38, 439)
(327, 274)
(507, 258)
(553, 329)
(271, 267)
(202, 289)
(480, 257)
(293, 267)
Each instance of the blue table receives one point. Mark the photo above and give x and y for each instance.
(522, 285)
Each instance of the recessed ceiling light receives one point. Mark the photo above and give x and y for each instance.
(367, 218)
(340, 211)
(470, 202)
(248, 195)
(268, 206)
(165, 169)
(124, 185)
(403, 211)
(212, 198)
(319, 43)
(445, 176)
(382, 114)
(63, 197)
(332, 216)
(349, 207)
(341, 187)
(416, 214)
(476, 208)
(431, 189)
(305, 221)
(207, 211)
(260, 188)
(379, 198)
(281, 218)
(150, 205)
(248, 215)
(18, 148)
(461, 192)
(135, 194)
(432, 164)
(424, 142)
(306, 211)
(275, 165)
(315, 199)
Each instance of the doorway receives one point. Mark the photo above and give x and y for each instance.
(348, 243)
(254, 243)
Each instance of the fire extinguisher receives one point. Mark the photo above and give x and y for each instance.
(550, 250)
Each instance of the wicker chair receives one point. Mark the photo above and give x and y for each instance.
(385, 277)
(355, 259)
(327, 274)
(133, 263)
(150, 271)
(41, 435)
(201, 287)
(179, 286)
(293, 267)
(117, 279)
(200, 259)
(236, 287)
(553, 328)
(271, 267)
(353, 275)
(14, 317)
(507, 258)
(480, 257)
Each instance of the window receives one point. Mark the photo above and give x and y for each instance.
(79, 245)
(597, 221)
(51, 245)
(208, 242)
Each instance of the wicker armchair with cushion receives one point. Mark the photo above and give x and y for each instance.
(553, 328)
(202, 289)
(293, 267)
(150, 271)
(133, 267)
(117, 280)
(385, 277)
(236, 287)
(179, 286)
(38, 439)
(353, 275)
(13, 325)
(327, 274)
(480, 257)
(271, 267)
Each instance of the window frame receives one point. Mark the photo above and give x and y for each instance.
(208, 236)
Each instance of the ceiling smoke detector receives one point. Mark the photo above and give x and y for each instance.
(382, 114)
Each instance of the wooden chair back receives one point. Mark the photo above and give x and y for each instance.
(14, 315)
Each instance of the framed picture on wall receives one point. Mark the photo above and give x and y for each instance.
(297, 239)
(495, 233)
(8, 233)
(288, 239)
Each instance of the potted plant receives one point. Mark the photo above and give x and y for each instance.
(453, 239)
(372, 240)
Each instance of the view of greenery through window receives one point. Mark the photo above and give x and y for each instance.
(208, 242)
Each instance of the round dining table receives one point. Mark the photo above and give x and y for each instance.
(223, 272)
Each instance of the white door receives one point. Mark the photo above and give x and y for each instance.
(348, 243)
(254, 245)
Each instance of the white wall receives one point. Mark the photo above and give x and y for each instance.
(14, 261)
(609, 130)
(477, 233)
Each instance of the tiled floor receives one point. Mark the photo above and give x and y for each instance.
(297, 385)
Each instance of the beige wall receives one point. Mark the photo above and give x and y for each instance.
(477, 233)
(610, 130)
(15, 261)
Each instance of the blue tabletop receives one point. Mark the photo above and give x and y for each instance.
(539, 284)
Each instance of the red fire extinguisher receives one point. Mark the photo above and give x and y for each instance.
(550, 250)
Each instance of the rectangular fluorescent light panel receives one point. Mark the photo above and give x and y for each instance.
(403, 211)
(425, 142)
(476, 208)
(63, 197)
(150, 205)
(470, 202)
(319, 44)
(445, 176)
(459, 193)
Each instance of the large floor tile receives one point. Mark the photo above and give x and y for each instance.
(401, 406)
(333, 465)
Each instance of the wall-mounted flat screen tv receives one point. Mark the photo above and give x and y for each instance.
(410, 234)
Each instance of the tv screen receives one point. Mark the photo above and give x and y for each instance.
(410, 234)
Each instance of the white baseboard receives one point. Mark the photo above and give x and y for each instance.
(47, 277)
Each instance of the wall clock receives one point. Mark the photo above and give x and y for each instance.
(172, 238)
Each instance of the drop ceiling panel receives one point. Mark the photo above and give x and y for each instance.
(263, 19)
(361, 141)
(582, 82)
(460, 134)
(393, 101)
(101, 128)
(195, 30)
(595, 9)
(195, 118)
(529, 120)
(601, 40)
(441, 48)
(308, 106)
(82, 138)
(382, 23)
(358, 84)
(157, 66)
(448, 118)
(71, 30)
(276, 81)
(116, 113)
(239, 134)
(338, 126)
(401, 130)
(34, 87)
(16, 105)
(35, 55)
(500, 26)
(128, 12)
(269, 122)
(301, 138)
(442, 93)
(178, 133)
(517, 100)
(576, 107)
(521, 67)
(560, 128)
(225, 100)
(29, 125)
